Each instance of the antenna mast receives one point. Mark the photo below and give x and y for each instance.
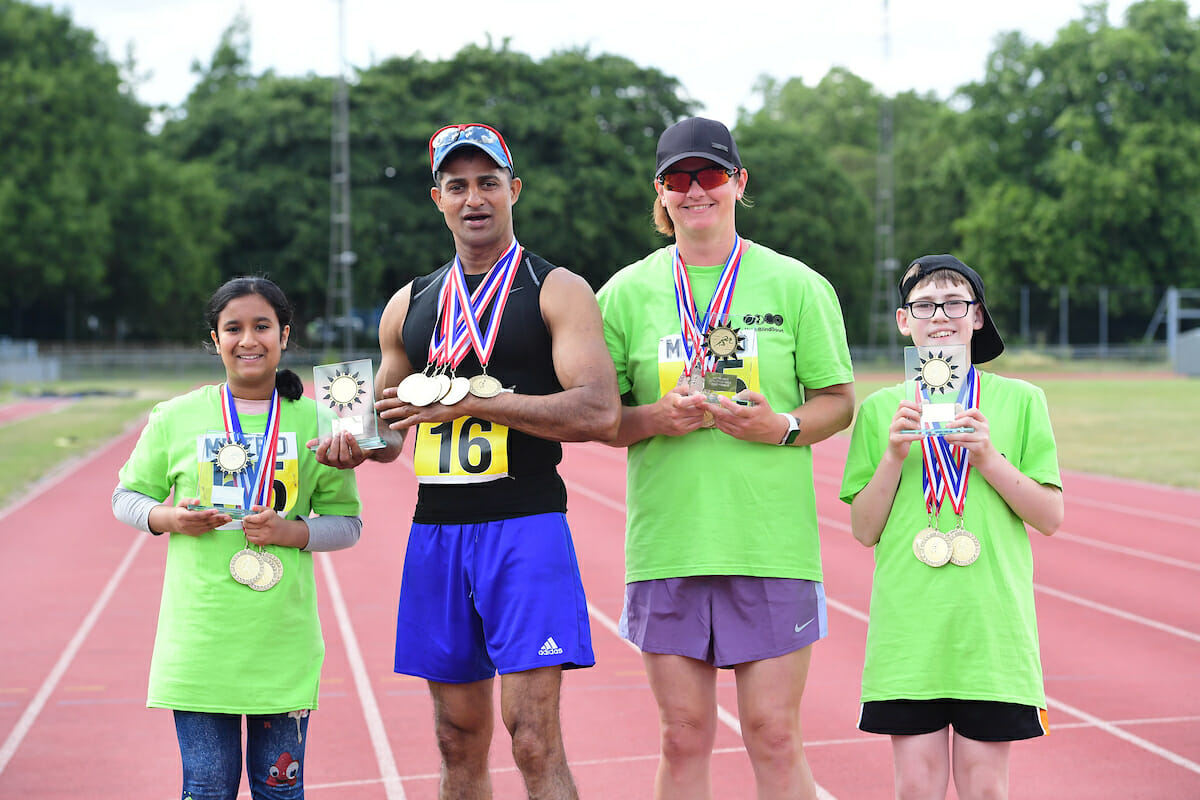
(339, 300)
(882, 300)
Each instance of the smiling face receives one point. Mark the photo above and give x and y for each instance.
(698, 212)
(251, 342)
(940, 330)
(476, 197)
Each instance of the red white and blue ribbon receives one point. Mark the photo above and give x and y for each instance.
(457, 329)
(947, 467)
(259, 482)
(692, 326)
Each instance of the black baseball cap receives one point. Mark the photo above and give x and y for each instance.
(986, 343)
(699, 137)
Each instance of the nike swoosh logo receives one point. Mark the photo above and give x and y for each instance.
(800, 628)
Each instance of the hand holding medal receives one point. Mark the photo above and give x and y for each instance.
(257, 478)
(944, 473)
(708, 338)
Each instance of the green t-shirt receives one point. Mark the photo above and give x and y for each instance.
(707, 503)
(968, 633)
(223, 647)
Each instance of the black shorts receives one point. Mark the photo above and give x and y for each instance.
(981, 720)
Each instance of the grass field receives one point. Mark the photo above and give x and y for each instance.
(1139, 425)
(1108, 420)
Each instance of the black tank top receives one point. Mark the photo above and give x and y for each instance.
(522, 360)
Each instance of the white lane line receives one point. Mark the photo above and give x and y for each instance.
(724, 715)
(366, 696)
(1144, 513)
(1116, 612)
(1091, 720)
(1133, 552)
(68, 655)
(862, 617)
(1070, 598)
(1138, 741)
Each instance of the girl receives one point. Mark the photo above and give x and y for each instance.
(238, 631)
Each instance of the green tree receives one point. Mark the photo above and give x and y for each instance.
(65, 132)
(1090, 154)
(92, 221)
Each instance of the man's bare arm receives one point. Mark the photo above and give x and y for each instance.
(587, 408)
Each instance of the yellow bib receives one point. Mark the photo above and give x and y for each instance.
(463, 450)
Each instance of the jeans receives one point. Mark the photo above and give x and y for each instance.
(211, 746)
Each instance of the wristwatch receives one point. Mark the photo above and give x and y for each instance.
(793, 429)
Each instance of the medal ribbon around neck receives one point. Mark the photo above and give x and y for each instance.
(692, 328)
(460, 328)
(947, 466)
(450, 332)
(258, 485)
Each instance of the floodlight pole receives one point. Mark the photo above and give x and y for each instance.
(882, 300)
(339, 298)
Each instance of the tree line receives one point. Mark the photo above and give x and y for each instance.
(1074, 163)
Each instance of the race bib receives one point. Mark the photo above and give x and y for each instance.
(462, 450)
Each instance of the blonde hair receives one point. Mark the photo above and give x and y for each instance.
(666, 226)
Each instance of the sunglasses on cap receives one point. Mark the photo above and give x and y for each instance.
(709, 178)
(485, 137)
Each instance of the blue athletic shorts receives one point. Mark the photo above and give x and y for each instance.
(724, 620)
(482, 598)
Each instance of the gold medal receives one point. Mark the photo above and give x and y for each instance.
(722, 341)
(443, 383)
(964, 547)
(272, 572)
(485, 386)
(459, 388)
(425, 392)
(404, 391)
(246, 567)
(932, 547)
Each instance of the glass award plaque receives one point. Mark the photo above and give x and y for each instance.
(345, 394)
(227, 465)
(933, 377)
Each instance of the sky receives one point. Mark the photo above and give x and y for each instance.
(718, 53)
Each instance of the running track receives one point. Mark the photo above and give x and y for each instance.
(1117, 601)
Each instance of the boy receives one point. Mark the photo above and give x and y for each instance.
(952, 642)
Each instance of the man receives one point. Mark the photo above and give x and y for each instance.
(493, 360)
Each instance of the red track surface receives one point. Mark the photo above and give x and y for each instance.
(1117, 601)
(20, 409)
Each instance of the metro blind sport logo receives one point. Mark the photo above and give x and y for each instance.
(757, 321)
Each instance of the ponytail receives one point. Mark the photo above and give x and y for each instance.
(289, 384)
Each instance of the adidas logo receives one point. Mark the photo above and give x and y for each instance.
(550, 648)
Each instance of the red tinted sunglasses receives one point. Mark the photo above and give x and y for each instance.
(709, 178)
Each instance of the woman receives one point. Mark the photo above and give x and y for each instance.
(238, 632)
(732, 360)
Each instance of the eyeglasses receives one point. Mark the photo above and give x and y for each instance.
(953, 309)
(709, 178)
(484, 136)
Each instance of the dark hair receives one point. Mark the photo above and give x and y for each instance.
(287, 382)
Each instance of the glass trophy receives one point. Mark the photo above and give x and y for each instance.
(226, 465)
(345, 394)
(933, 376)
